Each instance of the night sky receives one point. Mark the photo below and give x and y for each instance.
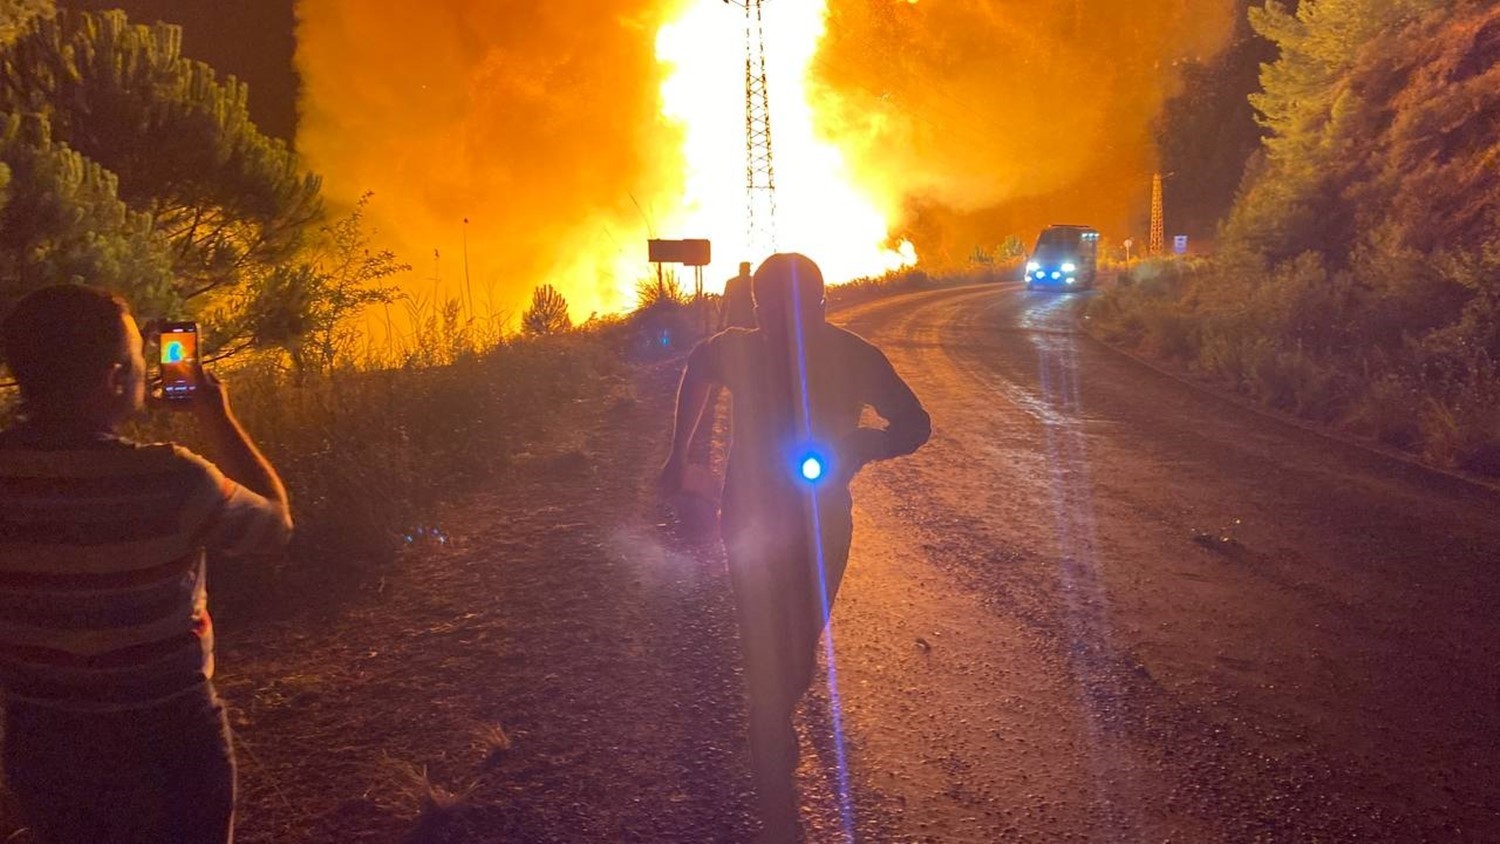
(251, 39)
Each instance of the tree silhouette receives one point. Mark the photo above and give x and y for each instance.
(548, 313)
(659, 291)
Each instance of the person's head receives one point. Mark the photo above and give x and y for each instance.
(744, 269)
(788, 290)
(75, 353)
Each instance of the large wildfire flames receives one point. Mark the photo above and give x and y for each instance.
(569, 132)
(820, 211)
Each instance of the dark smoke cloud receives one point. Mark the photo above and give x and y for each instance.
(535, 120)
(986, 118)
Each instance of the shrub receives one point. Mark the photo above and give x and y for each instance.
(662, 291)
(548, 313)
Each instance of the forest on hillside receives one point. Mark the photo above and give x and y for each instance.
(1356, 276)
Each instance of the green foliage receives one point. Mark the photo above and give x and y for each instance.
(1358, 274)
(233, 203)
(548, 313)
(308, 308)
(1207, 133)
(61, 220)
(136, 169)
(1011, 249)
(1375, 111)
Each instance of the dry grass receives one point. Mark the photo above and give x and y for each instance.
(1359, 352)
(494, 743)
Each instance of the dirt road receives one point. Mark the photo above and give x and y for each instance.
(1105, 606)
(1044, 634)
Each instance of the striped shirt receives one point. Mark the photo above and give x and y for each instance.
(103, 604)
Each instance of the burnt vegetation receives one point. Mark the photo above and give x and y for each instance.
(1356, 276)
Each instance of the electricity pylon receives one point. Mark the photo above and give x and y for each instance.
(1158, 243)
(760, 166)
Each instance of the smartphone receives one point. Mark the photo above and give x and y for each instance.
(179, 360)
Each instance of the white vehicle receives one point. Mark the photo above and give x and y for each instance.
(1065, 258)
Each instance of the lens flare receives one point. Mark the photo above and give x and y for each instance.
(820, 211)
(812, 469)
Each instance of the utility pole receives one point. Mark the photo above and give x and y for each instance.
(760, 168)
(468, 288)
(1158, 243)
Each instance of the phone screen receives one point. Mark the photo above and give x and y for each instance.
(179, 355)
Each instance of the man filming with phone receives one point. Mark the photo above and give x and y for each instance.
(113, 731)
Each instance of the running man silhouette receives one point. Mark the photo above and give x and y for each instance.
(798, 387)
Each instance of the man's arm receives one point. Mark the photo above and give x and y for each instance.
(908, 426)
(692, 399)
(231, 447)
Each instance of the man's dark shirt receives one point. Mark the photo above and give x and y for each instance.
(776, 420)
(739, 303)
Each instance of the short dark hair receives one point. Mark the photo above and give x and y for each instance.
(784, 276)
(58, 338)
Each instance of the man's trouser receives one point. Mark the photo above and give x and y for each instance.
(779, 600)
(162, 774)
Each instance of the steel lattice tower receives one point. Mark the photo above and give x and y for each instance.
(1158, 244)
(760, 168)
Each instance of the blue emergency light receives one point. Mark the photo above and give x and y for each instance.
(809, 464)
(812, 469)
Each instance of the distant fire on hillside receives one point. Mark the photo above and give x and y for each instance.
(568, 133)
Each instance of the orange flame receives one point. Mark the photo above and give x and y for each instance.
(568, 132)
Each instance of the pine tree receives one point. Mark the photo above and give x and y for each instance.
(234, 203)
(62, 220)
(1316, 139)
(17, 15)
(548, 313)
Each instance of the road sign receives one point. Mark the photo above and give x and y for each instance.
(1179, 244)
(693, 253)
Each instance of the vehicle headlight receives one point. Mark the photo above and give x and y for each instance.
(1032, 266)
(1072, 280)
(1040, 274)
(1070, 267)
(1057, 275)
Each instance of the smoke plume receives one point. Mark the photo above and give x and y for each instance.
(983, 118)
(541, 124)
(536, 121)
